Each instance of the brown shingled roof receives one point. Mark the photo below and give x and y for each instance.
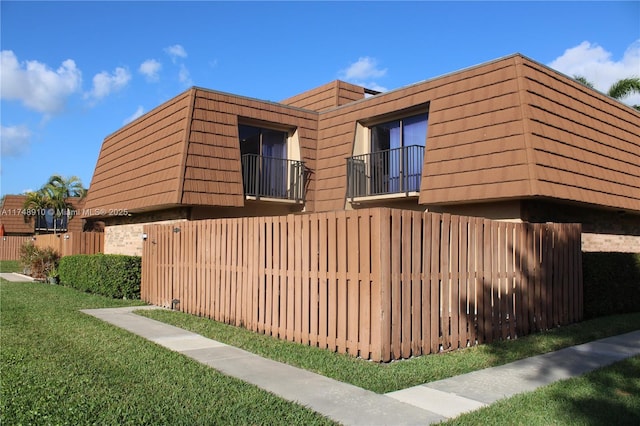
(14, 221)
(507, 129)
(12, 218)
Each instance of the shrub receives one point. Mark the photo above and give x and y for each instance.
(27, 252)
(37, 262)
(111, 275)
(611, 283)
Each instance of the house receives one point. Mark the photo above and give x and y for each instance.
(510, 139)
(15, 222)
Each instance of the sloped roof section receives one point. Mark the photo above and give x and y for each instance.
(476, 146)
(186, 153)
(12, 218)
(506, 129)
(584, 146)
(14, 221)
(327, 96)
(213, 174)
(213, 168)
(141, 165)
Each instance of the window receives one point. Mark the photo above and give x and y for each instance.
(265, 142)
(52, 222)
(399, 133)
(390, 157)
(266, 169)
(398, 150)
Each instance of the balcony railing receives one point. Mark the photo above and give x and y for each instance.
(393, 171)
(276, 178)
(50, 223)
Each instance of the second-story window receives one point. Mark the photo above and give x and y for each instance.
(397, 149)
(267, 170)
(394, 134)
(264, 142)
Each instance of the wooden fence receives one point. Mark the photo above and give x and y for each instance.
(72, 242)
(377, 283)
(10, 247)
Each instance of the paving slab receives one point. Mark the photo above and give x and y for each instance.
(342, 402)
(446, 404)
(350, 405)
(15, 277)
(492, 384)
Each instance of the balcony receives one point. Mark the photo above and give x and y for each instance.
(273, 179)
(50, 223)
(385, 174)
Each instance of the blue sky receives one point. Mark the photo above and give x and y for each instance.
(74, 72)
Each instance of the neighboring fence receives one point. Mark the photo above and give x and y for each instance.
(10, 247)
(377, 283)
(72, 242)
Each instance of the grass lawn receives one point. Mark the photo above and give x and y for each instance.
(608, 396)
(10, 266)
(392, 376)
(60, 366)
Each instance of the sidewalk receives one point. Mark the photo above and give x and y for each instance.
(15, 277)
(350, 405)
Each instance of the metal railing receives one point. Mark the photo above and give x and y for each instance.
(51, 223)
(391, 171)
(269, 177)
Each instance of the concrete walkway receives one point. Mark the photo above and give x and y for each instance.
(15, 277)
(350, 405)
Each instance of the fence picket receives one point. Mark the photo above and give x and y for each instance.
(365, 286)
(341, 290)
(405, 279)
(353, 283)
(416, 282)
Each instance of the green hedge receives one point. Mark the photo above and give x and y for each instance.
(611, 283)
(111, 275)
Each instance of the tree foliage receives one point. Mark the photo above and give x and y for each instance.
(624, 87)
(583, 80)
(54, 194)
(619, 89)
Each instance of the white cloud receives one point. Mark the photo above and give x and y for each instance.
(150, 69)
(14, 140)
(363, 72)
(136, 114)
(184, 76)
(37, 86)
(176, 51)
(105, 83)
(364, 68)
(599, 67)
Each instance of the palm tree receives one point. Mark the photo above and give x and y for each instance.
(583, 80)
(618, 90)
(54, 195)
(625, 87)
(35, 204)
(60, 190)
(71, 187)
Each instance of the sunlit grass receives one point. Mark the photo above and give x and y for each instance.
(608, 396)
(397, 375)
(60, 366)
(10, 266)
